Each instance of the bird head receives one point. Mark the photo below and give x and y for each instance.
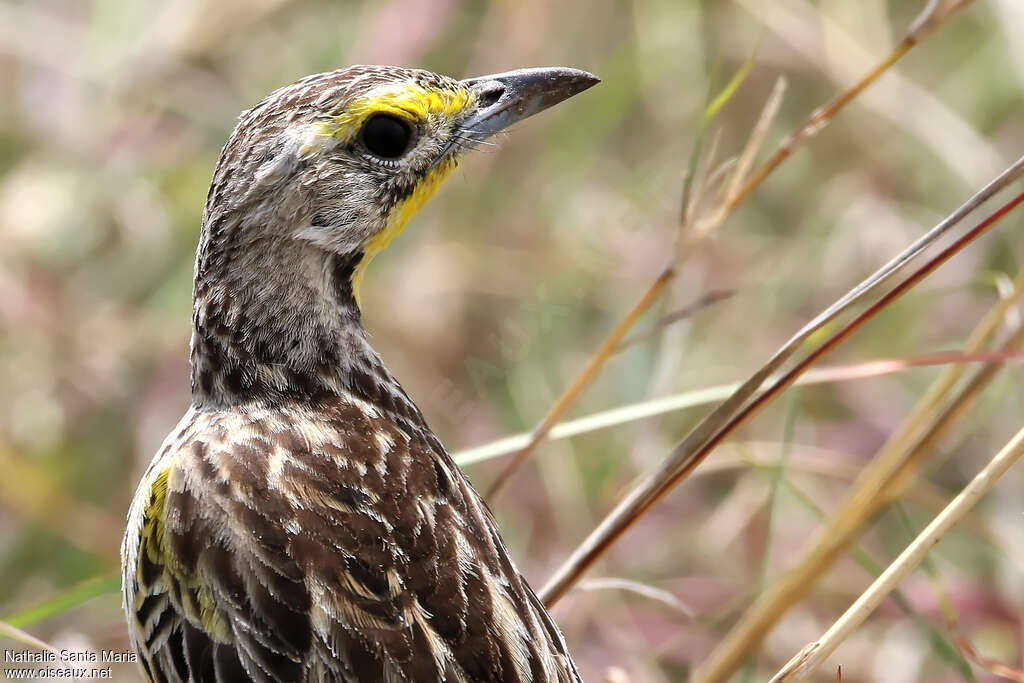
(343, 160)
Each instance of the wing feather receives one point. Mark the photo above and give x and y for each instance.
(330, 546)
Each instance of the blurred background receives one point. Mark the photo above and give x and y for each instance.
(112, 115)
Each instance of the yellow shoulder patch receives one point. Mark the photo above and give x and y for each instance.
(157, 569)
(151, 536)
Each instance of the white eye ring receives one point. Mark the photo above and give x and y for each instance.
(386, 163)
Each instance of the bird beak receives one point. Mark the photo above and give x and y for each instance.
(502, 99)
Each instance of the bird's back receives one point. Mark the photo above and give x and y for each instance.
(331, 544)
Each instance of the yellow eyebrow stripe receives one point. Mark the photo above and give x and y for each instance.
(408, 100)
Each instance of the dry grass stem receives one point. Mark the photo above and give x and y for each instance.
(731, 412)
(643, 589)
(27, 638)
(698, 397)
(818, 119)
(605, 351)
(898, 100)
(740, 183)
(991, 665)
(734, 198)
(705, 301)
(902, 453)
(696, 189)
(933, 16)
(814, 654)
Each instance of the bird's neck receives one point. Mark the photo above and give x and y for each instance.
(276, 322)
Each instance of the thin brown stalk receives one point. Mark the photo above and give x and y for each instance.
(605, 351)
(933, 16)
(814, 654)
(695, 447)
(938, 426)
(991, 665)
(818, 119)
(708, 299)
(735, 196)
(937, 410)
(824, 374)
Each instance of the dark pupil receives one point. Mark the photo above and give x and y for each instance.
(386, 136)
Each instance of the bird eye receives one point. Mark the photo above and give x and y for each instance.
(387, 137)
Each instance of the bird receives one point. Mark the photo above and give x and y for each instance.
(302, 522)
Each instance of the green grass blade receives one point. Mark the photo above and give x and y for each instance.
(721, 99)
(62, 602)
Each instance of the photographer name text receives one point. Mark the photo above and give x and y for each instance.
(69, 656)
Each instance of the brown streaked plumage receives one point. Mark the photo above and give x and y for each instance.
(302, 522)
